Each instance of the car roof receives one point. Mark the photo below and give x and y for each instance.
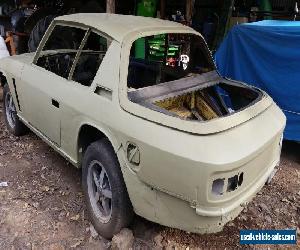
(118, 26)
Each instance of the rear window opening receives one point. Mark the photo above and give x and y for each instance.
(165, 58)
(174, 74)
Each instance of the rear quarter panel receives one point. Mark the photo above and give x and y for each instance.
(184, 164)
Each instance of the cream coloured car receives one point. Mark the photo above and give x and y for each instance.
(138, 104)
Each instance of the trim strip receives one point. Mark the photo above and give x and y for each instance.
(16, 93)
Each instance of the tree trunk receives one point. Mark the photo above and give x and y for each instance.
(189, 11)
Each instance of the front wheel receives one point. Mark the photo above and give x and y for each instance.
(108, 204)
(12, 121)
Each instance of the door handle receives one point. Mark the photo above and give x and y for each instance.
(55, 103)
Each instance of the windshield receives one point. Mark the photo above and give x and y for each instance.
(167, 57)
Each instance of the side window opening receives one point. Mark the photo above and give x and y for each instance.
(90, 59)
(64, 37)
(59, 64)
(60, 50)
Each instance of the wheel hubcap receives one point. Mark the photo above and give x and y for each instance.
(10, 110)
(99, 190)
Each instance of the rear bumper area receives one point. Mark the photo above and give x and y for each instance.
(175, 213)
(243, 199)
(167, 210)
(226, 190)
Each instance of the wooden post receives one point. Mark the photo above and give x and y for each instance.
(162, 9)
(110, 6)
(189, 11)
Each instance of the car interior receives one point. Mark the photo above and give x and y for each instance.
(59, 63)
(64, 52)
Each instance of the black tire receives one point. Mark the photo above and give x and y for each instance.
(12, 121)
(98, 156)
(38, 32)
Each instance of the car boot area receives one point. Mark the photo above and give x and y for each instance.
(42, 206)
(203, 104)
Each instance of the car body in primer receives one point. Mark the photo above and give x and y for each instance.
(182, 173)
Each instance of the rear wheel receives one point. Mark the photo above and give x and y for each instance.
(12, 121)
(108, 204)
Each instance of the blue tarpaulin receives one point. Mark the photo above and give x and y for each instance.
(266, 54)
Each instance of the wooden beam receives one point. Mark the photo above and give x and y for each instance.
(162, 9)
(189, 11)
(110, 6)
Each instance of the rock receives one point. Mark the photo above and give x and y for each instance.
(123, 240)
(93, 231)
(230, 224)
(56, 246)
(172, 245)
(107, 244)
(263, 207)
(35, 204)
(243, 217)
(75, 218)
(78, 242)
(268, 219)
(45, 189)
(158, 239)
(61, 215)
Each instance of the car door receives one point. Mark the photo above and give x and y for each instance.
(45, 80)
(83, 94)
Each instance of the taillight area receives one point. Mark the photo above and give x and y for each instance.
(226, 185)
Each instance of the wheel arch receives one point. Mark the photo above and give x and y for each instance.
(89, 133)
(3, 78)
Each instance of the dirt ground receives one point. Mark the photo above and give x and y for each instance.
(43, 208)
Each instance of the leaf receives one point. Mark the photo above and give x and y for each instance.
(75, 218)
(79, 241)
(45, 188)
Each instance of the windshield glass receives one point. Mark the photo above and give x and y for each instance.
(167, 57)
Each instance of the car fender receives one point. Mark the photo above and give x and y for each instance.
(102, 129)
(11, 84)
(3, 74)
